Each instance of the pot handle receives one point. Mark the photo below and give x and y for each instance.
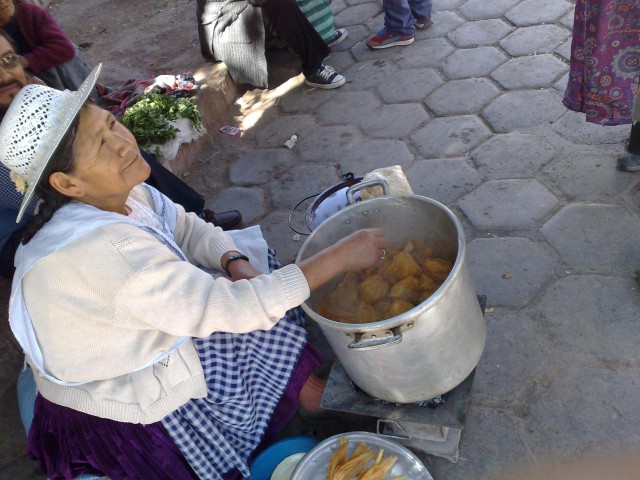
(373, 343)
(369, 183)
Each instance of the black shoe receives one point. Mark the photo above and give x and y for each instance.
(226, 220)
(629, 163)
(325, 77)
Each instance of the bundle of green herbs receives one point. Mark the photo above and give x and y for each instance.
(148, 119)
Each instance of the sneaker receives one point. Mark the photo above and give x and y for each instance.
(423, 23)
(384, 39)
(339, 35)
(325, 77)
(629, 163)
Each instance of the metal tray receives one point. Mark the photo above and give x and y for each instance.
(314, 464)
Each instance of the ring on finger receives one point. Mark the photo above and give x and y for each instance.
(384, 254)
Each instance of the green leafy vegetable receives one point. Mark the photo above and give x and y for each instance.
(148, 119)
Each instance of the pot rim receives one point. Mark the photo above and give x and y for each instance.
(409, 315)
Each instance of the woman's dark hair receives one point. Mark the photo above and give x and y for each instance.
(50, 199)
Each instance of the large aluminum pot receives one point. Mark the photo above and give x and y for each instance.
(426, 351)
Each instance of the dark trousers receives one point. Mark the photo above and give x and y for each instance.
(634, 139)
(167, 183)
(284, 19)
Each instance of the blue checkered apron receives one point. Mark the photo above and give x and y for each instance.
(246, 374)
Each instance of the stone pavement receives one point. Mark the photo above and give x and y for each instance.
(472, 111)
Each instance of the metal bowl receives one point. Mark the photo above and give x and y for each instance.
(315, 463)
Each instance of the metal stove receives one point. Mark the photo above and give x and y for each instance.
(427, 427)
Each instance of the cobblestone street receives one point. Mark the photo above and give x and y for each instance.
(472, 111)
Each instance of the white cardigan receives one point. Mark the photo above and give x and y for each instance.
(107, 302)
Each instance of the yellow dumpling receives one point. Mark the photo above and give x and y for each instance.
(373, 288)
(346, 292)
(405, 266)
(366, 314)
(437, 268)
(398, 307)
(407, 289)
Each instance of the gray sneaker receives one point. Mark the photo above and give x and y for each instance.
(339, 35)
(325, 77)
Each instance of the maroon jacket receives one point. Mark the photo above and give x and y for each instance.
(50, 46)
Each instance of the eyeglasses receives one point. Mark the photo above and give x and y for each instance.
(10, 61)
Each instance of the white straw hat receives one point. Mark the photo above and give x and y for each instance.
(33, 127)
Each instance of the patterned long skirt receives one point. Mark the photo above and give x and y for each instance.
(605, 60)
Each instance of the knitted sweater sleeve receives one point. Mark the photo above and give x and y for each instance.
(180, 299)
(50, 45)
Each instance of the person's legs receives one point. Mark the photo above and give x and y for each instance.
(399, 28)
(421, 11)
(284, 18)
(631, 161)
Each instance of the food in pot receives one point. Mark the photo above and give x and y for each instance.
(408, 276)
(358, 464)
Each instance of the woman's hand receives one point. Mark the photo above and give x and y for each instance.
(360, 250)
(242, 269)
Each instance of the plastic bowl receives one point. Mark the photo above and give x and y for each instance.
(264, 465)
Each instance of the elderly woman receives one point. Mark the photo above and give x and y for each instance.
(146, 365)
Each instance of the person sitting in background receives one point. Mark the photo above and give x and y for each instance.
(43, 47)
(233, 32)
(146, 365)
(12, 78)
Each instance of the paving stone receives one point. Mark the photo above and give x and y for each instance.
(515, 110)
(443, 23)
(23, 469)
(532, 12)
(300, 182)
(279, 236)
(12, 446)
(326, 142)
(589, 175)
(304, 100)
(444, 180)
(250, 202)
(508, 270)
(370, 74)
(482, 32)
(450, 136)
(356, 14)
(355, 2)
(508, 204)
(260, 166)
(347, 107)
(340, 61)
(338, 6)
(444, 5)
(573, 127)
(472, 62)
(513, 155)
(564, 50)
(577, 410)
(462, 96)
(561, 85)
(363, 158)
(490, 443)
(425, 53)
(409, 85)
(597, 238)
(499, 379)
(534, 71)
(278, 130)
(604, 333)
(483, 10)
(534, 40)
(567, 19)
(394, 121)
(375, 24)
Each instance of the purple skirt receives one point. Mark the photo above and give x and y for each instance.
(67, 443)
(605, 60)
